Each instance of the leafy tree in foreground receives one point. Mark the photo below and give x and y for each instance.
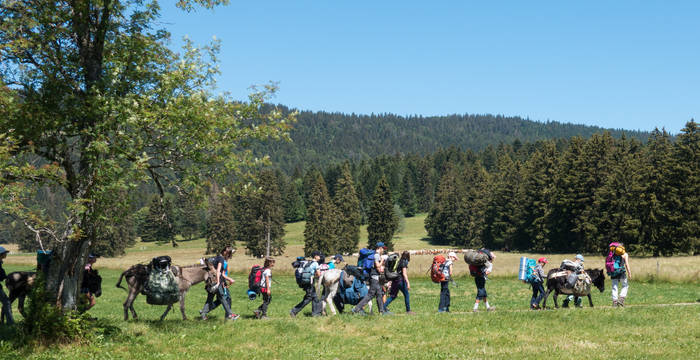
(92, 90)
(382, 222)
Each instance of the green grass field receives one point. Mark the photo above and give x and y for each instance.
(662, 319)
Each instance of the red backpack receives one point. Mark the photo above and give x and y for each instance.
(255, 278)
(436, 270)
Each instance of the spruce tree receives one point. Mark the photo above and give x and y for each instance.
(348, 205)
(187, 217)
(407, 201)
(293, 200)
(442, 222)
(321, 222)
(260, 216)
(158, 225)
(501, 214)
(220, 223)
(382, 221)
(686, 178)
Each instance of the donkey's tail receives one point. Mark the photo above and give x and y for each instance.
(119, 283)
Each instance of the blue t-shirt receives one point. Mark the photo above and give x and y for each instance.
(331, 265)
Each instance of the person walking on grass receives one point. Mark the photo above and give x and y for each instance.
(622, 279)
(310, 295)
(444, 305)
(222, 282)
(375, 287)
(335, 264)
(88, 273)
(577, 300)
(538, 284)
(480, 281)
(401, 283)
(6, 312)
(265, 288)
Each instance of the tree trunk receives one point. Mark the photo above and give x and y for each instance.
(66, 269)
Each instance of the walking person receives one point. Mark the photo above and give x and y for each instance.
(6, 312)
(88, 275)
(335, 264)
(577, 300)
(310, 295)
(222, 281)
(265, 288)
(621, 277)
(444, 305)
(401, 283)
(538, 284)
(480, 280)
(375, 287)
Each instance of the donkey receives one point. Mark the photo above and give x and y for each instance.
(558, 285)
(137, 276)
(330, 280)
(19, 284)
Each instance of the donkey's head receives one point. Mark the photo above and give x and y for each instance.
(598, 278)
(208, 272)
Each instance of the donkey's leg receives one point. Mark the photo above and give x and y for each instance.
(590, 300)
(556, 293)
(182, 304)
(162, 317)
(330, 295)
(129, 303)
(544, 301)
(20, 304)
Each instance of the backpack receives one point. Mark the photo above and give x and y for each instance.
(391, 267)
(366, 261)
(255, 278)
(531, 271)
(436, 269)
(162, 287)
(569, 265)
(304, 273)
(478, 258)
(613, 262)
(475, 271)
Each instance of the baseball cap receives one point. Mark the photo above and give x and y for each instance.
(542, 260)
(380, 244)
(338, 257)
(3, 250)
(580, 257)
(315, 253)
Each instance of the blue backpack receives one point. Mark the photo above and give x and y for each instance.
(531, 271)
(366, 261)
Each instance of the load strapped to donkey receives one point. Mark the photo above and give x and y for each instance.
(162, 287)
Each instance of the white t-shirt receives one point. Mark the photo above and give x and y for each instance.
(265, 274)
(446, 269)
(488, 267)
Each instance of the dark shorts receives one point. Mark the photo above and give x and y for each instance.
(480, 287)
(84, 290)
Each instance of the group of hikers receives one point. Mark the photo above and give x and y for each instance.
(385, 274)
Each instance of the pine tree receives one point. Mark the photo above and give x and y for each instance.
(537, 189)
(292, 199)
(260, 217)
(382, 221)
(158, 225)
(425, 185)
(348, 205)
(407, 201)
(501, 214)
(686, 178)
(472, 205)
(442, 223)
(220, 223)
(321, 228)
(187, 220)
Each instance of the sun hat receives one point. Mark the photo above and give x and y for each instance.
(452, 254)
(543, 260)
(580, 257)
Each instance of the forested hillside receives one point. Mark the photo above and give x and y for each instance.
(322, 138)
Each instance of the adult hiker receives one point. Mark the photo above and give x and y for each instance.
(265, 288)
(375, 287)
(577, 300)
(337, 259)
(538, 284)
(88, 275)
(444, 305)
(6, 312)
(401, 283)
(310, 295)
(480, 277)
(618, 266)
(222, 281)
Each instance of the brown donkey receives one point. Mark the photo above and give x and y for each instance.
(137, 277)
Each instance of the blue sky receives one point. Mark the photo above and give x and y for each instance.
(617, 64)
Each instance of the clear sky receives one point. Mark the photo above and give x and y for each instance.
(617, 64)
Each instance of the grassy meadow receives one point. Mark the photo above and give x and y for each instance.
(662, 319)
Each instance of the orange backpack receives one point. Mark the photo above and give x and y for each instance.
(436, 270)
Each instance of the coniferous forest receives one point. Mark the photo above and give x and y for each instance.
(556, 195)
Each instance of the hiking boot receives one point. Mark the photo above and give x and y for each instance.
(233, 317)
(475, 311)
(621, 302)
(358, 312)
(491, 308)
(264, 317)
(292, 313)
(388, 313)
(410, 313)
(257, 313)
(614, 303)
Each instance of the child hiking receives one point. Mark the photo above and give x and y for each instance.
(265, 289)
(480, 275)
(375, 288)
(444, 304)
(538, 284)
(577, 300)
(401, 283)
(617, 265)
(222, 282)
(307, 271)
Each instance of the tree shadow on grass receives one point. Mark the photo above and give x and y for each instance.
(435, 242)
